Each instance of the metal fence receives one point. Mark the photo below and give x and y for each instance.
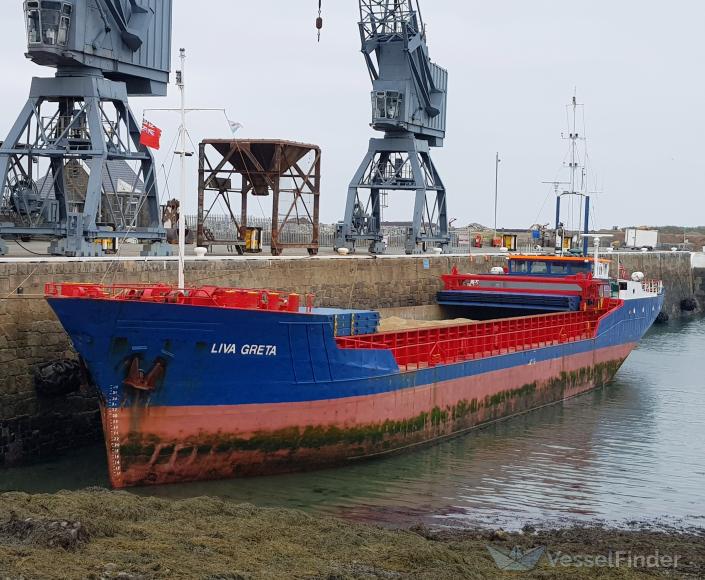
(223, 228)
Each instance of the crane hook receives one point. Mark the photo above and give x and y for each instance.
(319, 20)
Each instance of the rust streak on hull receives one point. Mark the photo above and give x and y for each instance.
(174, 445)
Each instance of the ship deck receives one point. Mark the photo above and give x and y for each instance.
(415, 349)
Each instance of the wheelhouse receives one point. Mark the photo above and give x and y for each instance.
(557, 266)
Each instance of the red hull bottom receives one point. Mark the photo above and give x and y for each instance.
(153, 446)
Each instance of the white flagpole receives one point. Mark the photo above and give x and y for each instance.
(182, 196)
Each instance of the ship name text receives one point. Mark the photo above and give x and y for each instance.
(245, 350)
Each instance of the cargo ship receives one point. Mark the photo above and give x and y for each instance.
(207, 383)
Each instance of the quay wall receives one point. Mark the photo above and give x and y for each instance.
(698, 263)
(38, 427)
(676, 270)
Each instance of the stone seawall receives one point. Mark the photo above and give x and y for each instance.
(698, 263)
(699, 283)
(674, 268)
(34, 427)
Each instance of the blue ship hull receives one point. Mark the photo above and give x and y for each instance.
(192, 392)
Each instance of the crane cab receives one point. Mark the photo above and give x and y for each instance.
(126, 42)
(48, 22)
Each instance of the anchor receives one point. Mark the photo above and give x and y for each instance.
(137, 379)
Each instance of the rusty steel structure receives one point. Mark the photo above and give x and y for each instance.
(288, 171)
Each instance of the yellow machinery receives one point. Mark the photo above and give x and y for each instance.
(253, 240)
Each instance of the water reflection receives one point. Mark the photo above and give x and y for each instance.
(634, 450)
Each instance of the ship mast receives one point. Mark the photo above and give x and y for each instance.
(576, 190)
(182, 193)
(184, 154)
(573, 147)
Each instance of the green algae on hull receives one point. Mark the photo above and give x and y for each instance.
(336, 444)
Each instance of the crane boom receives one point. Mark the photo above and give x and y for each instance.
(132, 19)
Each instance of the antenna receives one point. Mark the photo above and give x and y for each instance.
(574, 136)
(556, 184)
(182, 194)
(579, 199)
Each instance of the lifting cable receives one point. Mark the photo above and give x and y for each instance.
(319, 20)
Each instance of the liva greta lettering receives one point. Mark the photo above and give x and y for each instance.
(245, 350)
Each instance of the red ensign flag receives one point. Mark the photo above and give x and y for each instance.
(151, 135)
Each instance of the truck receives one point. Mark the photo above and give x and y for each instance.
(638, 238)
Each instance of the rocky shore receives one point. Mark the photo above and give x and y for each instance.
(101, 534)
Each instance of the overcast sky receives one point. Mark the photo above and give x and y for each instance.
(637, 65)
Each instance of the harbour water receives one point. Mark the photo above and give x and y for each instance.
(634, 450)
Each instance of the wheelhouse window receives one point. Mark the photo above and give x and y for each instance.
(581, 267)
(519, 267)
(603, 270)
(560, 269)
(539, 268)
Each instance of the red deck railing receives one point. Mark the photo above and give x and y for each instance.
(206, 296)
(428, 347)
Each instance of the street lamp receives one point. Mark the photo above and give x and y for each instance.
(496, 194)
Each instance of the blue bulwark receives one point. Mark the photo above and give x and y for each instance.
(237, 357)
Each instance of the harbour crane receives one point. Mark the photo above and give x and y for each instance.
(409, 98)
(59, 165)
(72, 169)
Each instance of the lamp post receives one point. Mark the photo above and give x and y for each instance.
(496, 194)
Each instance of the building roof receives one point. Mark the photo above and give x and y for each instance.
(117, 175)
